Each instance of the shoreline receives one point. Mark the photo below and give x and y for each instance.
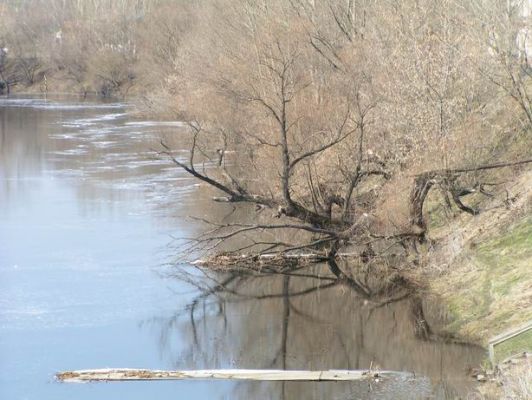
(465, 232)
(475, 314)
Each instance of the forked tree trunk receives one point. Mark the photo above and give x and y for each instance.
(425, 181)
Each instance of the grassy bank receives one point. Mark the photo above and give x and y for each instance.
(482, 272)
(490, 288)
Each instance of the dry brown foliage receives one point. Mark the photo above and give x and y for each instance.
(324, 111)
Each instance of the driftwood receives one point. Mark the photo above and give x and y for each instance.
(126, 374)
(266, 259)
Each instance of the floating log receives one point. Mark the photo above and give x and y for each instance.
(127, 374)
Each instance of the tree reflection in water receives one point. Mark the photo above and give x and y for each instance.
(304, 318)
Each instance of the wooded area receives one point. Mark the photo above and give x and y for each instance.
(338, 116)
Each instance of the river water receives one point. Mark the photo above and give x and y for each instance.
(88, 221)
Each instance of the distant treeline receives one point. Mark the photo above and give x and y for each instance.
(87, 46)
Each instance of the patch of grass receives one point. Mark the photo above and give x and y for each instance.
(436, 210)
(490, 291)
(516, 345)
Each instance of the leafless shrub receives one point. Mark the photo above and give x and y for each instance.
(337, 116)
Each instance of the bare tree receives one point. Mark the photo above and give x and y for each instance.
(325, 112)
(332, 119)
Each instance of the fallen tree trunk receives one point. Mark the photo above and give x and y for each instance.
(126, 374)
(266, 259)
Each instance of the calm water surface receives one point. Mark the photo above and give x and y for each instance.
(86, 218)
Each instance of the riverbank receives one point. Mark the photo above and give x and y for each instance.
(512, 380)
(56, 83)
(495, 246)
(480, 272)
(481, 268)
(477, 266)
(61, 87)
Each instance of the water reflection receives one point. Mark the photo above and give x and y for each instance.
(109, 157)
(300, 322)
(86, 214)
(79, 244)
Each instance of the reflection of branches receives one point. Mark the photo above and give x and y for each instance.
(285, 320)
(344, 348)
(203, 296)
(243, 297)
(291, 332)
(306, 316)
(226, 288)
(229, 289)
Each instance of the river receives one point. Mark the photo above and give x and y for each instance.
(88, 224)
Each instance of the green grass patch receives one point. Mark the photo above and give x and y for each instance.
(491, 291)
(436, 210)
(514, 346)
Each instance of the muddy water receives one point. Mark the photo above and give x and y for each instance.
(87, 217)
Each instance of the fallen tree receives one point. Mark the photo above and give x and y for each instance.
(312, 123)
(316, 235)
(127, 374)
(328, 235)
